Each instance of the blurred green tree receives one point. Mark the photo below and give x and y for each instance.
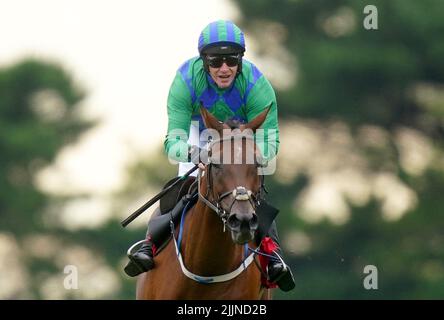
(39, 115)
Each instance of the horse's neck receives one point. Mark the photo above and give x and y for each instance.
(208, 249)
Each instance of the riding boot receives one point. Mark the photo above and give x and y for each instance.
(142, 260)
(278, 271)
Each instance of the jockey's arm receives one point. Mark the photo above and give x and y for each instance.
(180, 109)
(261, 96)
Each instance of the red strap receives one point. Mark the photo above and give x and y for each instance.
(153, 246)
(267, 247)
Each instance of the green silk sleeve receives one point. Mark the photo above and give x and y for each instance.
(179, 110)
(261, 96)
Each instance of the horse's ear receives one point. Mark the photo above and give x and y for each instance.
(256, 122)
(210, 121)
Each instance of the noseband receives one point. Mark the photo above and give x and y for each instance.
(240, 193)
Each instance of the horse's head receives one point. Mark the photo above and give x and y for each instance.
(233, 183)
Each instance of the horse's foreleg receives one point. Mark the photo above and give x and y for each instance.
(265, 294)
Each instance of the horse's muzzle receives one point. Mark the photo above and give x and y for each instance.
(242, 226)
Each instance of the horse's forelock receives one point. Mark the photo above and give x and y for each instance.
(233, 124)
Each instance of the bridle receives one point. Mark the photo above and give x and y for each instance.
(240, 193)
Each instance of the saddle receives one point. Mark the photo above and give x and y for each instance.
(171, 207)
(170, 199)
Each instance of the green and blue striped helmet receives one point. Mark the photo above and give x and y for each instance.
(221, 37)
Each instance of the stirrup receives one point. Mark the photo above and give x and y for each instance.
(135, 267)
(285, 281)
(282, 261)
(276, 259)
(129, 252)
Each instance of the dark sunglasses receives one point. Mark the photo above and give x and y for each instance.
(218, 61)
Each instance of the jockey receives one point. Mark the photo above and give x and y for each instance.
(230, 87)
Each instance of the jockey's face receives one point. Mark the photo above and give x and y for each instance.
(224, 75)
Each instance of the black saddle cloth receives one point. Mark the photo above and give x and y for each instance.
(159, 227)
(171, 198)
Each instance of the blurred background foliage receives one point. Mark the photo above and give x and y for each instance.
(360, 174)
(380, 92)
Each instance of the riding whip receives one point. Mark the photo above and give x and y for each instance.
(148, 204)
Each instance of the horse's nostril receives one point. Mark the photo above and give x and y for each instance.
(233, 222)
(238, 222)
(254, 222)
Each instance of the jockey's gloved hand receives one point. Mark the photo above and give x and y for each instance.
(196, 154)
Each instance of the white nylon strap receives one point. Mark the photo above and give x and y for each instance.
(220, 278)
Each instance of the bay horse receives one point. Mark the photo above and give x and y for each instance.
(206, 248)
